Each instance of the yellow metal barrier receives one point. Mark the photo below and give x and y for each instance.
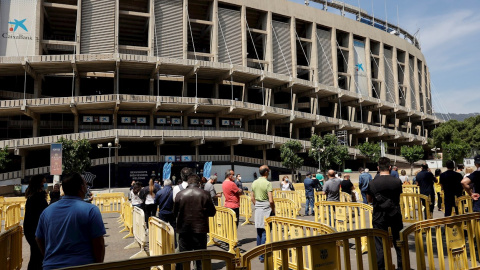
(345, 197)
(464, 205)
(246, 209)
(300, 190)
(12, 216)
(345, 216)
(161, 237)
(411, 189)
(108, 204)
(221, 199)
(279, 229)
(325, 252)
(247, 193)
(11, 249)
(320, 197)
(15, 200)
(128, 220)
(292, 195)
(285, 208)
(223, 226)
(139, 233)
(431, 237)
(412, 208)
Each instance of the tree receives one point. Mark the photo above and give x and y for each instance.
(327, 150)
(75, 155)
(456, 150)
(288, 154)
(453, 130)
(4, 159)
(370, 150)
(412, 154)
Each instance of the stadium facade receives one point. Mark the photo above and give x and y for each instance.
(191, 81)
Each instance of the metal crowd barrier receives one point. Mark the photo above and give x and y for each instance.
(292, 195)
(139, 233)
(12, 216)
(223, 227)
(300, 190)
(127, 219)
(412, 208)
(285, 208)
(411, 189)
(320, 197)
(15, 200)
(108, 202)
(279, 229)
(161, 237)
(345, 197)
(221, 199)
(432, 235)
(464, 205)
(345, 216)
(246, 209)
(11, 248)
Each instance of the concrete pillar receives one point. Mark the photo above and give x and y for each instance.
(351, 64)
(185, 121)
(151, 29)
(408, 92)
(417, 85)
(381, 73)
(115, 120)
(23, 155)
(197, 153)
(244, 35)
(216, 91)
(269, 48)
(264, 152)
(396, 83)
(184, 87)
(232, 153)
(314, 53)
(75, 123)
(214, 35)
(77, 86)
(368, 66)
(116, 159)
(152, 120)
(37, 88)
(293, 44)
(158, 152)
(334, 57)
(185, 29)
(424, 88)
(369, 117)
(217, 122)
(152, 87)
(36, 127)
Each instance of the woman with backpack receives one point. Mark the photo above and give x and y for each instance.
(286, 185)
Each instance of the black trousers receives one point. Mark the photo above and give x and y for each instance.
(237, 213)
(150, 211)
(36, 257)
(190, 242)
(432, 203)
(379, 249)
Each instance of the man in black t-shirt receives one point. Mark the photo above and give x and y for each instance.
(425, 181)
(384, 192)
(451, 186)
(475, 179)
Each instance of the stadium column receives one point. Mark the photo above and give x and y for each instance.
(214, 42)
(334, 60)
(38, 26)
(293, 42)
(381, 73)
(117, 23)
(37, 87)
(368, 64)
(264, 152)
(197, 152)
(269, 49)
(157, 144)
(244, 35)
(185, 33)
(415, 81)
(396, 83)
(151, 31)
(232, 153)
(424, 88)
(351, 64)
(408, 92)
(314, 54)
(23, 155)
(78, 26)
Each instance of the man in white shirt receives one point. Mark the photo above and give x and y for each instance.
(184, 174)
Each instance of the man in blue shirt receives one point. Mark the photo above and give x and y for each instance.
(363, 181)
(70, 232)
(309, 193)
(164, 200)
(394, 172)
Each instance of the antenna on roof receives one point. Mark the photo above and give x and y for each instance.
(359, 11)
(307, 3)
(386, 17)
(373, 15)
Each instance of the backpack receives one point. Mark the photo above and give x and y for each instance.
(386, 204)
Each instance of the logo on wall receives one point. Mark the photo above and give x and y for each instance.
(15, 24)
(359, 66)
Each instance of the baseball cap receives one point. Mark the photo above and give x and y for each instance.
(308, 173)
(476, 159)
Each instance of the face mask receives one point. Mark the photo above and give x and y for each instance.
(45, 186)
(239, 178)
(286, 179)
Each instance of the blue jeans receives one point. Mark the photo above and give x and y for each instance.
(309, 203)
(364, 196)
(261, 238)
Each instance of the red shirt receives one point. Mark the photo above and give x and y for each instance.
(230, 191)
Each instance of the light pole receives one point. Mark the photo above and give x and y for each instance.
(319, 150)
(436, 149)
(110, 147)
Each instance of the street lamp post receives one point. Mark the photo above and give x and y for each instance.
(436, 149)
(319, 150)
(110, 147)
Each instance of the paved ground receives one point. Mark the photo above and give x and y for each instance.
(246, 235)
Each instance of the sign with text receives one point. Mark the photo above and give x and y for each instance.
(56, 159)
(323, 257)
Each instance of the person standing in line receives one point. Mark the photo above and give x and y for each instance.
(286, 185)
(262, 199)
(473, 179)
(363, 182)
(309, 193)
(332, 190)
(384, 193)
(425, 181)
(238, 181)
(164, 200)
(320, 178)
(210, 187)
(348, 187)
(55, 193)
(182, 182)
(34, 207)
(232, 193)
(394, 172)
(460, 168)
(70, 232)
(157, 184)
(451, 184)
(135, 195)
(438, 189)
(403, 176)
(192, 208)
(147, 195)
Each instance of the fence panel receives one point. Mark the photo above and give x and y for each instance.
(223, 227)
(320, 196)
(16, 200)
(11, 248)
(411, 189)
(432, 235)
(292, 195)
(246, 209)
(139, 233)
(280, 229)
(161, 237)
(128, 220)
(345, 216)
(464, 205)
(285, 208)
(412, 208)
(108, 202)
(12, 216)
(345, 197)
(300, 190)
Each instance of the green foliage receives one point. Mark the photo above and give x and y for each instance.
(75, 155)
(331, 152)
(370, 150)
(467, 131)
(4, 159)
(412, 154)
(456, 151)
(288, 154)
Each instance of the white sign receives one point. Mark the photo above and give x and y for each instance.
(161, 121)
(469, 162)
(208, 122)
(186, 158)
(126, 120)
(104, 119)
(238, 123)
(17, 27)
(176, 121)
(360, 68)
(88, 119)
(194, 122)
(169, 158)
(141, 120)
(225, 122)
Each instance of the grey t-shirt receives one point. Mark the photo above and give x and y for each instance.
(211, 189)
(332, 189)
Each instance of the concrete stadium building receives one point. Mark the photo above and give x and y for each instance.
(226, 81)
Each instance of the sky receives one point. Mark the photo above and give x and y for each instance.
(449, 38)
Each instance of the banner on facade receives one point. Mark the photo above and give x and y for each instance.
(56, 159)
(361, 78)
(18, 27)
